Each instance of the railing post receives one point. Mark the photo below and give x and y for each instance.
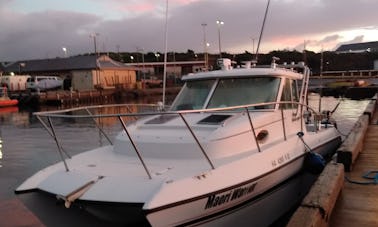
(253, 130)
(134, 146)
(197, 141)
(57, 143)
(102, 131)
(51, 133)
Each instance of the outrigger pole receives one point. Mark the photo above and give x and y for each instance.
(165, 52)
(261, 32)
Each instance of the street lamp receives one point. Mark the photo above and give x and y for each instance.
(157, 55)
(219, 23)
(253, 45)
(94, 35)
(141, 50)
(65, 51)
(132, 58)
(205, 45)
(20, 66)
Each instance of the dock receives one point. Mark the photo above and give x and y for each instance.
(342, 196)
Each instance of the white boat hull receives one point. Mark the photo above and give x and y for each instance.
(217, 206)
(257, 197)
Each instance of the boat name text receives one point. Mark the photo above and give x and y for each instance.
(219, 199)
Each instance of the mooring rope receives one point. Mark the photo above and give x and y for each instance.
(373, 179)
(300, 135)
(313, 162)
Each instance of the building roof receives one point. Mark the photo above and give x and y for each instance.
(171, 63)
(358, 47)
(65, 64)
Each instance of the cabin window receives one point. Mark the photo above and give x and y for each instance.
(193, 95)
(289, 94)
(294, 88)
(245, 91)
(295, 94)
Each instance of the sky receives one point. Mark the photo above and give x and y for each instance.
(39, 29)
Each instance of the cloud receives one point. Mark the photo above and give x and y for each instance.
(43, 34)
(141, 24)
(330, 38)
(357, 39)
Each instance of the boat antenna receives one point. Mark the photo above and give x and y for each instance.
(261, 31)
(165, 52)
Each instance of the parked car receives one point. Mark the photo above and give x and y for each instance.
(44, 83)
(152, 82)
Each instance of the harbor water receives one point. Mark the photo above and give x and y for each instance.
(26, 147)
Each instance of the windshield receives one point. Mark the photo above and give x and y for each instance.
(193, 95)
(228, 92)
(245, 91)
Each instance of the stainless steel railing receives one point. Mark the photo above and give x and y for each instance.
(89, 110)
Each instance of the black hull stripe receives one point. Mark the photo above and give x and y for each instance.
(237, 185)
(241, 205)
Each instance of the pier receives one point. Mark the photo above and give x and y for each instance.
(73, 98)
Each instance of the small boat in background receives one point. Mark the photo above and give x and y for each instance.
(5, 101)
(347, 83)
(8, 110)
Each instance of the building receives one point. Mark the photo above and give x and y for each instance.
(79, 72)
(174, 69)
(358, 47)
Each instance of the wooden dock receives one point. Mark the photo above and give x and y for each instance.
(357, 204)
(340, 196)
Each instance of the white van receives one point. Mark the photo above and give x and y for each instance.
(14, 82)
(43, 83)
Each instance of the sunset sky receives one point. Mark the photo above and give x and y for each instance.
(35, 29)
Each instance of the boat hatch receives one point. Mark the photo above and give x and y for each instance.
(214, 119)
(161, 119)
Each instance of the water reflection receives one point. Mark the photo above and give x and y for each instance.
(1, 149)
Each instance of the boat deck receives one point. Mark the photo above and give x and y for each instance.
(357, 204)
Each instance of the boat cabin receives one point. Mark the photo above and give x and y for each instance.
(239, 87)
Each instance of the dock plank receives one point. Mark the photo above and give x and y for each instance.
(358, 204)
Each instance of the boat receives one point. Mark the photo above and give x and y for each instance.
(231, 147)
(5, 101)
(8, 110)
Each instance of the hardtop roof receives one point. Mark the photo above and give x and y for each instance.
(245, 72)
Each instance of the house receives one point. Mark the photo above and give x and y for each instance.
(358, 47)
(79, 72)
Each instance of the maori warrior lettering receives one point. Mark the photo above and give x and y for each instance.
(219, 199)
